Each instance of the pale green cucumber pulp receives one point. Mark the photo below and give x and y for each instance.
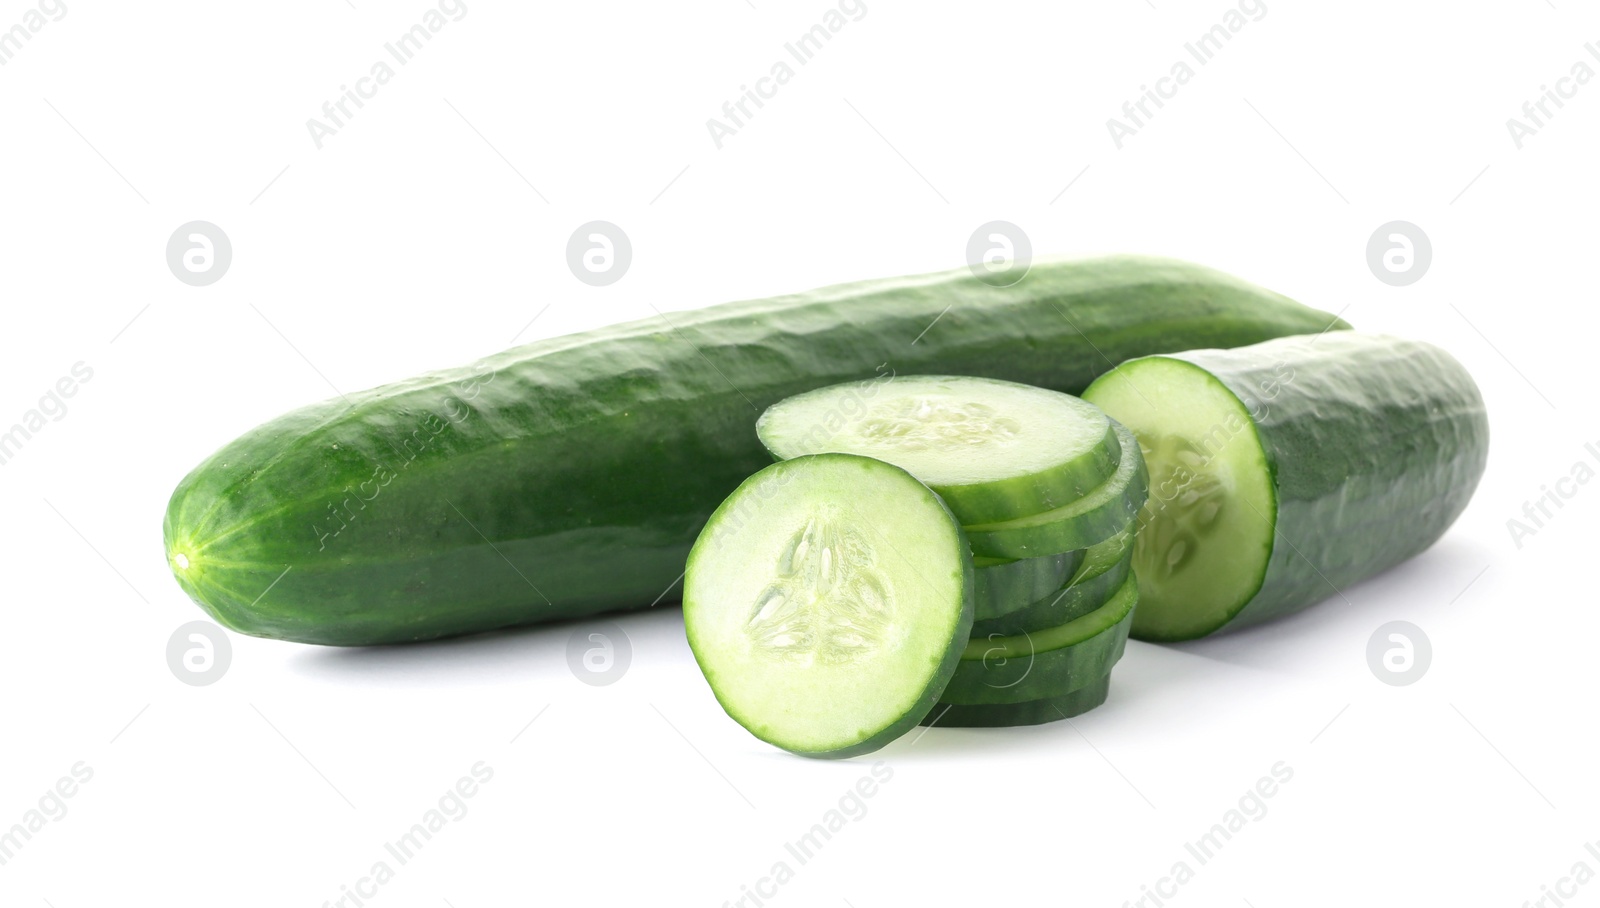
(992, 449)
(827, 602)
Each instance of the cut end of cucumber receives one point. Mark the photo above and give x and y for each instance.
(1206, 531)
(827, 602)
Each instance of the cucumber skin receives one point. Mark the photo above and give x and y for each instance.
(1080, 596)
(1011, 715)
(570, 476)
(1376, 446)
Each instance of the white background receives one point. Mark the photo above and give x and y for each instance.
(408, 242)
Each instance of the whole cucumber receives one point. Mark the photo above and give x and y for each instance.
(570, 476)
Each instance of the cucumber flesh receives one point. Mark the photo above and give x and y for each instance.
(1105, 568)
(992, 449)
(1033, 712)
(1093, 518)
(827, 602)
(1051, 663)
(1283, 472)
(1005, 585)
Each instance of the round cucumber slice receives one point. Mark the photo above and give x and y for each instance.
(1093, 518)
(1105, 567)
(1033, 712)
(1051, 663)
(1007, 584)
(992, 449)
(1206, 531)
(827, 601)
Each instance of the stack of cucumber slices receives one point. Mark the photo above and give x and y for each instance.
(928, 549)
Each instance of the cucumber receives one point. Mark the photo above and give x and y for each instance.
(827, 602)
(1005, 584)
(1032, 712)
(1105, 567)
(1283, 472)
(1093, 518)
(570, 476)
(993, 450)
(1047, 664)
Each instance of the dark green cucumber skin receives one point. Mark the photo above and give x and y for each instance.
(1081, 595)
(1046, 674)
(1006, 588)
(1032, 712)
(570, 476)
(1376, 445)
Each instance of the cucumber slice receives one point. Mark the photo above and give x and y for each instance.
(1105, 567)
(1007, 584)
(827, 602)
(1283, 472)
(1093, 518)
(1051, 663)
(991, 449)
(1033, 712)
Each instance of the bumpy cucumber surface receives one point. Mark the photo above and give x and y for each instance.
(1033, 712)
(570, 476)
(1095, 517)
(993, 450)
(1047, 664)
(827, 602)
(1105, 568)
(1283, 472)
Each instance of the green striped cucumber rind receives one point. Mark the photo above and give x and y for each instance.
(1018, 583)
(569, 477)
(1105, 568)
(1031, 712)
(1091, 519)
(1050, 663)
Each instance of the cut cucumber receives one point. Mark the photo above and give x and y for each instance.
(1051, 663)
(827, 602)
(1033, 712)
(1105, 567)
(991, 449)
(1283, 472)
(1093, 518)
(1007, 584)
